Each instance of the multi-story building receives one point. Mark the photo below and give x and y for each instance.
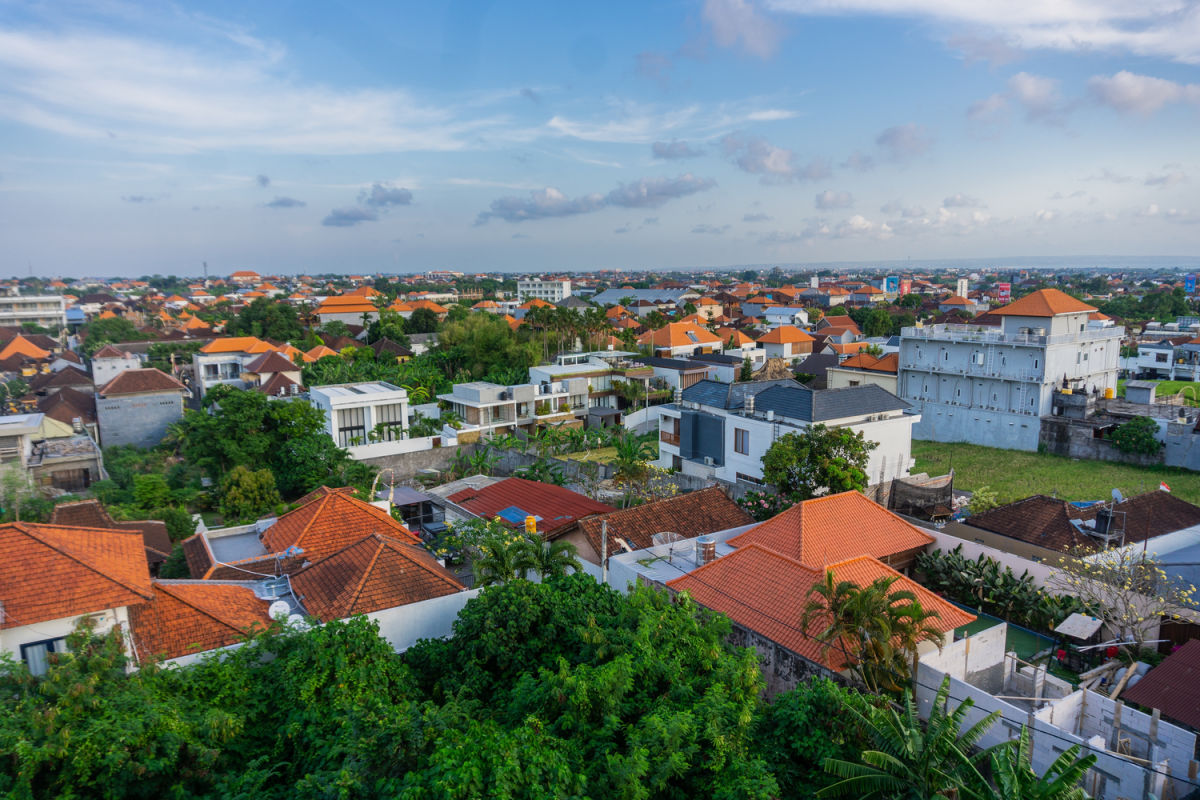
(490, 408)
(49, 311)
(137, 406)
(369, 420)
(551, 291)
(222, 361)
(722, 431)
(601, 369)
(978, 384)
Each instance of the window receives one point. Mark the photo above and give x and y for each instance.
(352, 426)
(743, 477)
(36, 655)
(853, 383)
(389, 421)
(741, 441)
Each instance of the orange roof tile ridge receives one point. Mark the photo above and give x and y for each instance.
(396, 544)
(206, 612)
(362, 580)
(32, 533)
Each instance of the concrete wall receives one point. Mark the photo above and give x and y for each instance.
(1066, 437)
(429, 619)
(105, 369)
(407, 465)
(139, 419)
(1039, 572)
(781, 668)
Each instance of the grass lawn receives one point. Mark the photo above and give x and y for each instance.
(1190, 389)
(601, 455)
(1014, 474)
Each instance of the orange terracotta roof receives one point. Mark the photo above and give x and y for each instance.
(859, 361)
(888, 363)
(366, 291)
(512, 321)
(106, 314)
(766, 592)
(485, 304)
(319, 352)
(372, 574)
(196, 324)
(253, 295)
(432, 306)
(244, 273)
(236, 344)
(679, 334)
(955, 300)
(1044, 303)
(22, 346)
(535, 302)
(50, 571)
(185, 618)
(841, 348)
(706, 301)
(815, 532)
(1098, 316)
(739, 338)
(325, 526)
(344, 304)
(616, 311)
(785, 334)
(399, 306)
(108, 351)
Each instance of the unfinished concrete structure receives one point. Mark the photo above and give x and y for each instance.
(1137, 754)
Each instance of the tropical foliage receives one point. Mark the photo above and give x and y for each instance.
(1138, 436)
(818, 460)
(763, 505)
(986, 585)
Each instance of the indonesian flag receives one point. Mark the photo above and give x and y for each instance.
(1162, 486)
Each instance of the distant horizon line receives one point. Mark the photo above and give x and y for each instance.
(1040, 263)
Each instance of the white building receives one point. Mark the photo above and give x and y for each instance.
(367, 419)
(550, 291)
(600, 369)
(723, 431)
(108, 362)
(490, 408)
(978, 384)
(49, 311)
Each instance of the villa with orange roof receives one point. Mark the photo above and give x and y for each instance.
(786, 342)
(680, 339)
(987, 386)
(863, 368)
(350, 309)
(245, 277)
(223, 361)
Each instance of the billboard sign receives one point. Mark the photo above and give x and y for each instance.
(891, 284)
(1004, 293)
(1189, 283)
(905, 286)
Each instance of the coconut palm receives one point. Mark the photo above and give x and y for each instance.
(909, 760)
(500, 558)
(550, 559)
(632, 456)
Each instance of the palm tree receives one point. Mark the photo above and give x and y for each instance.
(1014, 778)
(500, 558)
(910, 760)
(550, 559)
(633, 453)
(873, 627)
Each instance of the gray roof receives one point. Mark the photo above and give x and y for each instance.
(730, 395)
(817, 363)
(718, 358)
(816, 405)
(614, 296)
(571, 301)
(670, 363)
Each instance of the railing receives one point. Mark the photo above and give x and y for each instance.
(978, 371)
(667, 437)
(975, 333)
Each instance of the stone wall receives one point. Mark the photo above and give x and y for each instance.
(781, 668)
(139, 419)
(1076, 439)
(406, 466)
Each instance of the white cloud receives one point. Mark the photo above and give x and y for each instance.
(1042, 215)
(775, 164)
(859, 162)
(960, 200)
(550, 202)
(181, 99)
(1163, 28)
(988, 108)
(1038, 95)
(1171, 175)
(674, 149)
(737, 23)
(830, 199)
(1129, 92)
(897, 207)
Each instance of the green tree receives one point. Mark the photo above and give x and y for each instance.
(550, 559)
(910, 301)
(176, 564)
(248, 494)
(983, 499)
(100, 332)
(633, 455)
(151, 491)
(818, 460)
(266, 318)
(1137, 436)
(877, 323)
(423, 320)
(335, 327)
(390, 325)
(480, 343)
(908, 760)
(747, 373)
(16, 493)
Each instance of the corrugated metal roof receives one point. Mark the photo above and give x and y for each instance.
(1173, 687)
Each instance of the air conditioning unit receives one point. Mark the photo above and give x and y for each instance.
(708, 461)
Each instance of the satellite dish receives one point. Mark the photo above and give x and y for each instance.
(280, 608)
(1117, 496)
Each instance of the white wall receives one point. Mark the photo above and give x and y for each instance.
(11, 639)
(429, 619)
(1039, 572)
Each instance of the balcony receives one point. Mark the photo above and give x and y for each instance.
(986, 335)
(666, 437)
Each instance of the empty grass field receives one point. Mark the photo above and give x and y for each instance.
(1014, 474)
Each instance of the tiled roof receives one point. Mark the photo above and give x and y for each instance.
(372, 574)
(277, 385)
(50, 572)
(330, 523)
(557, 506)
(66, 405)
(1044, 303)
(346, 304)
(729, 395)
(817, 405)
(90, 514)
(679, 334)
(692, 514)
(1173, 687)
(323, 491)
(766, 592)
(785, 334)
(1046, 521)
(236, 344)
(319, 352)
(108, 351)
(888, 363)
(271, 361)
(22, 346)
(68, 376)
(184, 618)
(432, 306)
(141, 381)
(833, 528)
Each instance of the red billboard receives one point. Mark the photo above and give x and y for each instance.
(905, 286)
(1004, 292)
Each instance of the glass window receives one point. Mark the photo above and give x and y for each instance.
(741, 441)
(36, 655)
(389, 421)
(351, 426)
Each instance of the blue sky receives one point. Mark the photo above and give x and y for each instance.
(305, 136)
